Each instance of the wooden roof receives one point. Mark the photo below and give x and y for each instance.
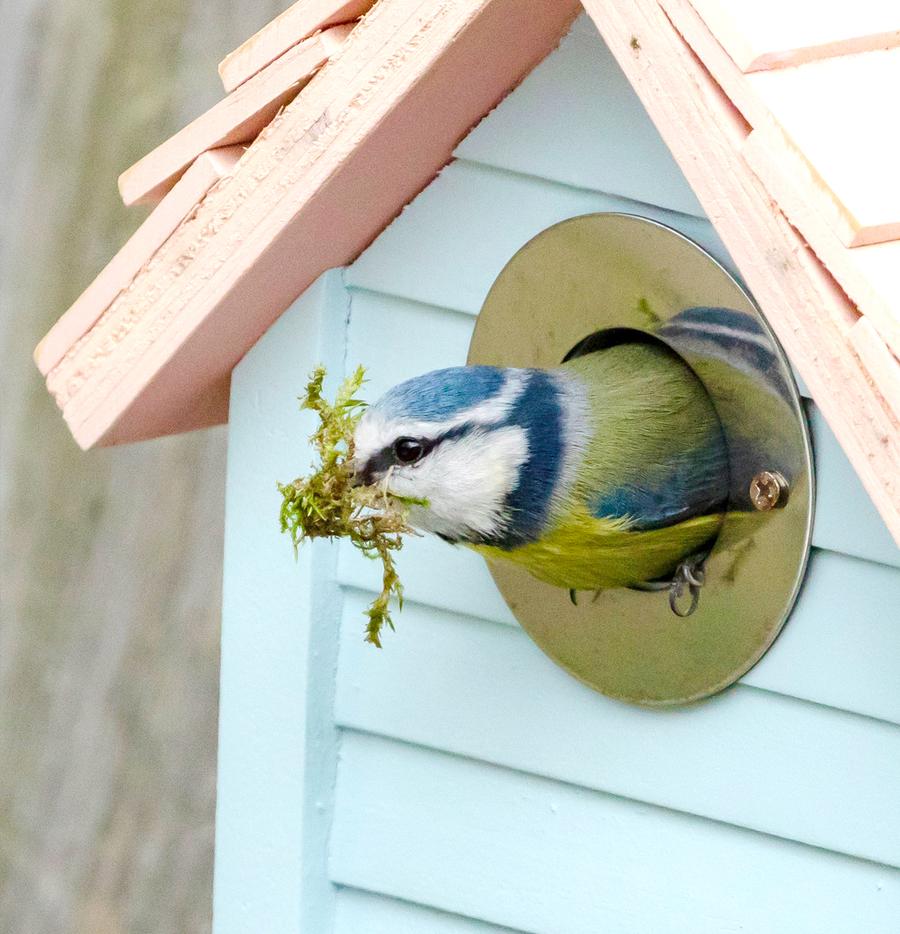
(333, 124)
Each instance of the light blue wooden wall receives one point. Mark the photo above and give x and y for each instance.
(458, 781)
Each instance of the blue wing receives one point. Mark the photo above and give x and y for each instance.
(689, 484)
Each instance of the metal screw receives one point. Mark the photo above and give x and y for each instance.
(768, 490)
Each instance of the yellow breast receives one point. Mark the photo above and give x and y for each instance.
(583, 552)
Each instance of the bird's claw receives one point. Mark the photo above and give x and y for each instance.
(573, 596)
(691, 576)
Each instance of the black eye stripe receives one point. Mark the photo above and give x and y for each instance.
(384, 459)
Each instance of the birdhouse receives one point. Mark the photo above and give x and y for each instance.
(414, 184)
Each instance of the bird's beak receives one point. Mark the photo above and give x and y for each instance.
(362, 475)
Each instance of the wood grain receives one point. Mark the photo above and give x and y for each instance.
(879, 361)
(238, 118)
(387, 98)
(137, 251)
(298, 22)
(870, 275)
(111, 562)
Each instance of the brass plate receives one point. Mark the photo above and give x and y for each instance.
(602, 271)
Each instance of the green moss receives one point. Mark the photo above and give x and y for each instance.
(327, 504)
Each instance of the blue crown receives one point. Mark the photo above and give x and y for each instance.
(441, 394)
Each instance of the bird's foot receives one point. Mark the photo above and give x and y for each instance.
(689, 577)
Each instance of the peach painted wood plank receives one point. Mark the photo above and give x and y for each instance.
(766, 34)
(296, 23)
(749, 95)
(870, 275)
(238, 118)
(717, 61)
(882, 365)
(367, 134)
(808, 311)
(838, 114)
(118, 274)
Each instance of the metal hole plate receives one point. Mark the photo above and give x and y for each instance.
(603, 271)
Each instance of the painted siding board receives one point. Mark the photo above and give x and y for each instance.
(396, 339)
(449, 244)
(431, 571)
(555, 859)
(840, 646)
(277, 742)
(593, 131)
(366, 913)
(487, 692)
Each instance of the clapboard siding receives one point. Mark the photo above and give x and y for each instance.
(515, 849)
(487, 692)
(280, 618)
(589, 135)
(366, 913)
(839, 648)
(765, 770)
(448, 245)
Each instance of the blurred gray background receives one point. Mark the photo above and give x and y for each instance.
(111, 560)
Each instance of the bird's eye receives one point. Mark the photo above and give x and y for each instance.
(408, 450)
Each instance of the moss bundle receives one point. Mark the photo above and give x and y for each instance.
(328, 504)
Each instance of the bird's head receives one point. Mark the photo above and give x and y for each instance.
(461, 440)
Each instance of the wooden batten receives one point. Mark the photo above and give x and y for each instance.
(870, 275)
(238, 118)
(853, 151)
(697, 34)
(767, 34)
(853, 185)
(808, 311)
(878, 362)
(296, 23)
(364, 137)
(118, 274)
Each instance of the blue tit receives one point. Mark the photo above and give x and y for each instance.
(606, 471)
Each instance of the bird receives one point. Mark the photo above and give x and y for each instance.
(609, 470)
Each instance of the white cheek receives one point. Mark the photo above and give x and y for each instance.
(370, 437)
(465, 481)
